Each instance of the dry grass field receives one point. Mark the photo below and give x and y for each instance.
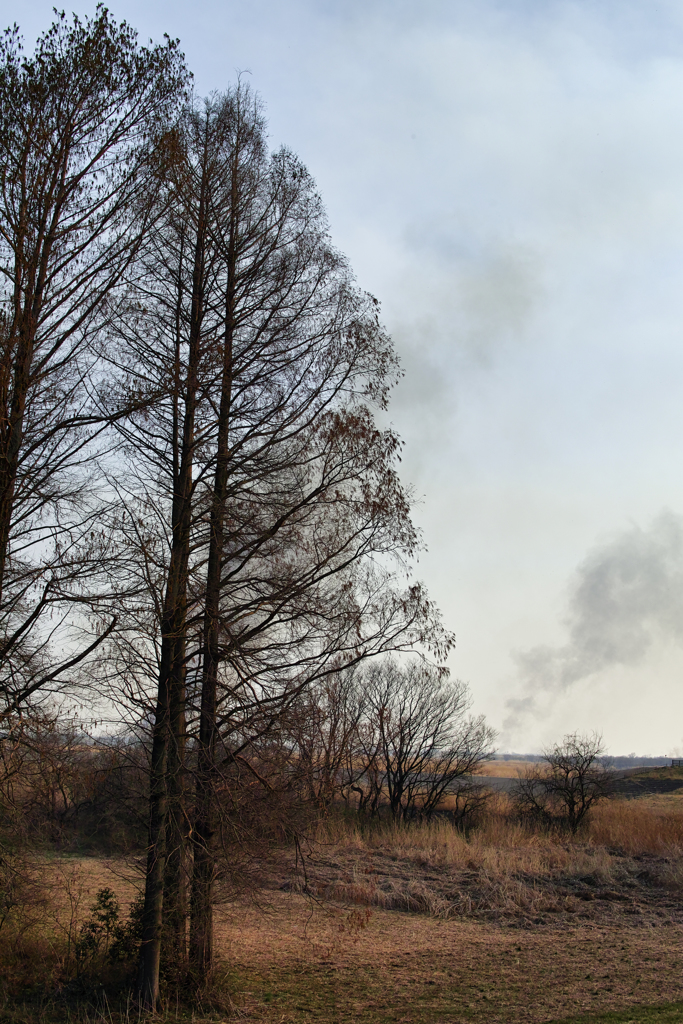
(423, 925)
(302, 963)
(504, 926)
(505, 769)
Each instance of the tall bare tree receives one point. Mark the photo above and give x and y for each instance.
(303, 490)
(163, 341)
(292, 490)
(81, 122)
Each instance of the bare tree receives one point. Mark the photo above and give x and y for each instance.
(165, 332)
(570, 778)
(304, 489)
(321, 731)
(292, 489)
(79, 146)
(420, 744)
(266, 525)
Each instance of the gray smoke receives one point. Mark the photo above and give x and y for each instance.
(627, 596)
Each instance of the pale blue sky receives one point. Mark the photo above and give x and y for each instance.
(507, 178)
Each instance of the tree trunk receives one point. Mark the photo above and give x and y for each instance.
(173, 643)
(150, 951)
(201, 922)
(201, 926)
(11, 431)
(175, 879)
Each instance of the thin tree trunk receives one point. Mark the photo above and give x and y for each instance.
(204, 868)
(150, 951)
(162, 743)
(11, 432)
(172, 675)
(175, 880)
(201, 925)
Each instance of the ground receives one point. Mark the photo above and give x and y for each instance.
(300, 963)
(503, 929)
(426, 925)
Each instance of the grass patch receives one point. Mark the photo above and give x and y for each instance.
(326, 995)
(332, 994)
(671, 1013)
(665, 772)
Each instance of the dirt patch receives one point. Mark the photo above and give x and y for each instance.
(636, 787)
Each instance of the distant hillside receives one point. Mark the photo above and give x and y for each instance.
(620, 761)
(642, 781)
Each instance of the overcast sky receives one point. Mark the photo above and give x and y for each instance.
(507, 179)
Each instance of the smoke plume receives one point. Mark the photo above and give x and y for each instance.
(627, 596)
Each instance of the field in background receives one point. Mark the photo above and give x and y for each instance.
(505, 769)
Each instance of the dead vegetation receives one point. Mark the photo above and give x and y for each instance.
(476, 893)
(453, 920)
(626, 863)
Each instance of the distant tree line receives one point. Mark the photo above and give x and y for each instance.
(617, 761)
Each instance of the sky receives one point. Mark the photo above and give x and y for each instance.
(507, 179)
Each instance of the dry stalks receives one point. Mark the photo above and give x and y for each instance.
(501, 868)
(638, 827)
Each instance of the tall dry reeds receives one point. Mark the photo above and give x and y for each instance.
(501, 846)
(636, 827)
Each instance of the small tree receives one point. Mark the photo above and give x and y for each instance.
(322, 729)
(419, 737)
(572, 776)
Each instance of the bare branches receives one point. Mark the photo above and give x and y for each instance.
(387, 733)
(571, 777)
(417, 735)
(193, 486)
(80, 124)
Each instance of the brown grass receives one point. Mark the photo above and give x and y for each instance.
(504, 869)
(503, 925)
(653, 825)
(505, 769)
(297, 965)
(425, 924)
